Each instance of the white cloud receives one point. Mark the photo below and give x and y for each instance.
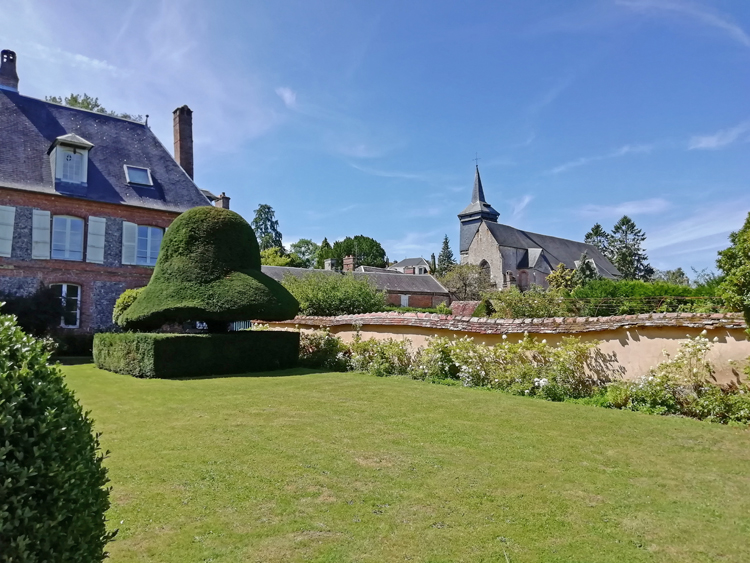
(638, 207)
(622, 151)
(720, 138)
(520, 204)
(58, 56)
(288, 96)
(693, 11)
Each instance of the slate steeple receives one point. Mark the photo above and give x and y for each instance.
(477, 211)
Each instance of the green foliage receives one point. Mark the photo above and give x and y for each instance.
(734, 263)
(682, 385)
(318, 349)
(443, 309)
(123, 303)
(266, 227)
(484, 309)
(606, 297)
(37, 314)
(535, 302)
(327, 294)
(84, 101)
(586, 271)
(306, 251)
(53, 494)
(676, 276)
(563, 278)
(324, 252)
(381, 357)
(366, 250)
(193, 355)
(467, 282)
(624, 248)
(208, 270)
(276, 256)
(445, 259)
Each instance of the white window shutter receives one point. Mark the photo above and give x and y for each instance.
(129, 241)
(95, 244)
(7, 219)
(40, 234)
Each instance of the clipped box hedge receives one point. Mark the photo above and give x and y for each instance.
(192, 355)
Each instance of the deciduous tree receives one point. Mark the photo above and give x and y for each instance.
(307, 250)
(467, 282)
(84, 101)
(367, 251)
(734, 262)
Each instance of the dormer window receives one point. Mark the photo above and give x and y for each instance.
(69, 156)
(137, 175)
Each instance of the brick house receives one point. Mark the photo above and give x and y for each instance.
(84, 200)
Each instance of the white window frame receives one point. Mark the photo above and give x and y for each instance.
(149, 231)
(127, 175)
(67, 250)
(60, 153)
(63, 295)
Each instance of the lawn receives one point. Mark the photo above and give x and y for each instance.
(330, 467)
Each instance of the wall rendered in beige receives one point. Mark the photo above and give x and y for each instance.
(637, 348)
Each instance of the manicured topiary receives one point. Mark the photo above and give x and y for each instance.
(123, 303)
(208, 270)
(53, 493)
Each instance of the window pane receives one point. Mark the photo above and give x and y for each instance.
(70, 318)
(156, 235)
(57, 289)
(72, 292)
(138, 175)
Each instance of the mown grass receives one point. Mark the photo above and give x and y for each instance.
(331, 467)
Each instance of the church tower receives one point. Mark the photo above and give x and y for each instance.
(477, 211)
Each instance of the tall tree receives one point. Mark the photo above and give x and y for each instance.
(367, 251)
(627, 253)
(600, 239)
(445, 258)
(276, 256)
(84, 101)
(467, 282)
(324, 252)
(734, 262)
(677, 276)
(266, 227)
(307, 250)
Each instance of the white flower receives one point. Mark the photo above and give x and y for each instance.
(716, 338)
(505, 337)
(704, 333)
(544, 341)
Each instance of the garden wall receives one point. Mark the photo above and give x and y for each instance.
(637, 340)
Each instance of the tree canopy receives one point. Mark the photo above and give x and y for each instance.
(324, 252)
(445, 259)
(276, 256)
(734, 262)
(467, 282)
(307, 251)
(84, 101)
(624, 248)
(366, 250)
(266, 227)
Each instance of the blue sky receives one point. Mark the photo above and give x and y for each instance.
(364, 117)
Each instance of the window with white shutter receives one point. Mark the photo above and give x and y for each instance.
(7, 220)
(67, 238)
(129, 242)
(95, 240)
(149, 243)
(40, 234)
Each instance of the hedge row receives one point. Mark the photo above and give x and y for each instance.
(194, 355)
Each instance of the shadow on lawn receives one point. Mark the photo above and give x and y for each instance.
(278, 373)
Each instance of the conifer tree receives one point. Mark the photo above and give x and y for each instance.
(627, 251)
(324, 252)
(266, 227)
(445, 258)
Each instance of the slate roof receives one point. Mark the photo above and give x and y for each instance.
(28, 128)
(553, 249)
(409, 262)
(478, 205)
(393, 282)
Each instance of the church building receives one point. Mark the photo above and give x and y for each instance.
(515, 257)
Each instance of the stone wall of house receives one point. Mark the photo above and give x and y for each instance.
(638, 341)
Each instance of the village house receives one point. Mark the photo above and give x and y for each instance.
(411, 266)
(85, 199)
(513, 257)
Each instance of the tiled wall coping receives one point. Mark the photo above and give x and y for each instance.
(565, 325)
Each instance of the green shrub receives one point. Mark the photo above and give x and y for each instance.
(535, 302)
(208, 270)
(323, 294)
(193, 355)
(123, 303)
(320, 350)
(381, 357)
(73, 344)
(53, 493)
(37, 314)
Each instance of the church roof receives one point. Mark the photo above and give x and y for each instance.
(555, 250)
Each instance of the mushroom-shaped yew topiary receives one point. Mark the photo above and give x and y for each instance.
(209, 270)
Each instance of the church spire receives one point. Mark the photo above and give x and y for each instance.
(478, 194)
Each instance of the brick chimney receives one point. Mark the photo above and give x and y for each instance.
(349, 263)
(183, 138)
(222, 201)
(8, 74)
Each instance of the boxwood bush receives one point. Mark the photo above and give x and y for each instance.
(53, 493)
(191, 355)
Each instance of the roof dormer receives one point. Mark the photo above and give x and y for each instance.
(69, 157)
